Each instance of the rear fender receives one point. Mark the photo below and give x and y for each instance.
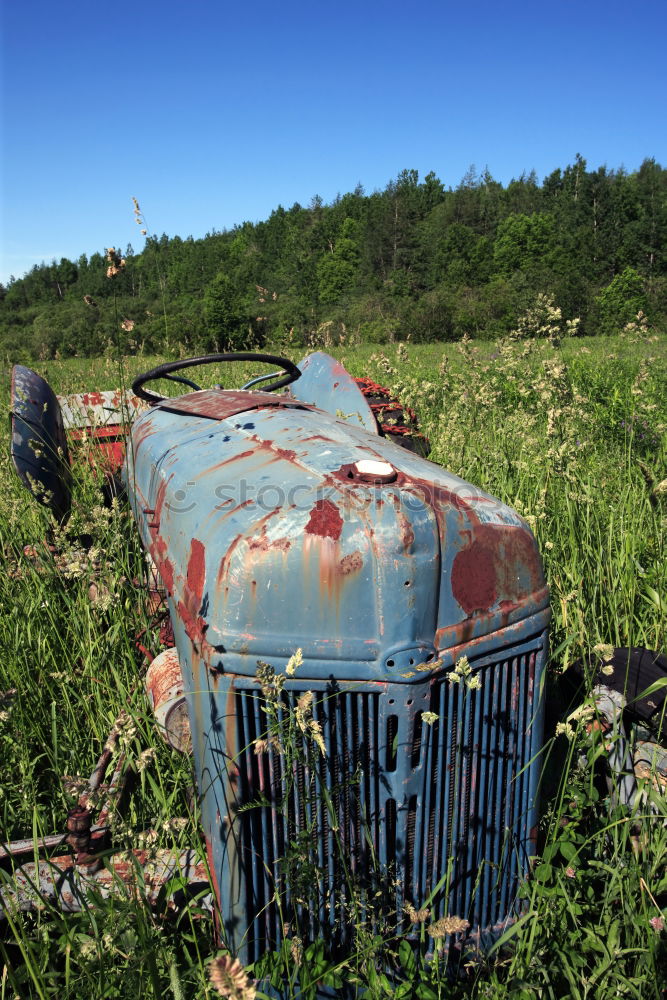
(102, 419)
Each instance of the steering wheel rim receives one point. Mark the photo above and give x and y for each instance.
(160, 371)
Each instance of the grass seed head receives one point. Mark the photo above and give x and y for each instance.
(447, 925)
(230, 979)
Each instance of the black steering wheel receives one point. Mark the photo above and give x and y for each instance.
(292, 373)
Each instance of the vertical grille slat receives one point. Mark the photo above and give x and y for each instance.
(424, 824)
(450, 802)
(494, 750)
(523, 778)
(485, 807)
(458, 784)
(442, 821)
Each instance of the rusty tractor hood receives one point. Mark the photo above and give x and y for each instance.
(271, 531)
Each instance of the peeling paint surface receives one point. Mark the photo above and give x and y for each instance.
(97, 410)
(267, 539)
(264, 531)
(325, 383)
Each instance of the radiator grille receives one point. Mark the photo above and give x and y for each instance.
(396, 810)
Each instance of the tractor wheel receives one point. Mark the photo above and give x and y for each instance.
(395, 421)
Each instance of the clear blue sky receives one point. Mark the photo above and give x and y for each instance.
(212, 113)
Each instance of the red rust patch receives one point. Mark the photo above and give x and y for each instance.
(92, 399)
(159, 499)
(261, 543)
(351, 563)
(226, 559)
(196, 570)
(163, 674)
(286, 453)
(166, 571)
(474, 578)
(189, 608)
(407, 533)
(325, 520)
(500, 564)
(195, 626)
(227, 461)
(219, 405)
(141, 431)
(158, 551)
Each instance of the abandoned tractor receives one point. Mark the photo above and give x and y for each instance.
(287, 516)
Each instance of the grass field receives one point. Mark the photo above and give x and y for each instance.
(574, 436)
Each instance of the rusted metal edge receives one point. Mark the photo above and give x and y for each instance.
(140, 873)
(32, 845)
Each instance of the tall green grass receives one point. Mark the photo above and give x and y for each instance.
(573, 436)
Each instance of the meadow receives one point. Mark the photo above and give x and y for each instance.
(572, 432)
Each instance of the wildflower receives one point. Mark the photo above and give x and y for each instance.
(230, 979)
(87, 948)
(565, 729)
(427, 667)
(316, 736)
(115, 262)
(463, 672)
(583, 712)
(417, 916)
(447, 925)
(294, 663)
(270, 682)
(304, 708)
(430, 717)
(100, 597)
(74, 785)
(657, 923)
(145, 758)
(309, 726)
(570, 872)
(124, 728)
(175, 825)
(147, 838)
(296, 951)
(128, 325)
(73, 569)
(604, 650)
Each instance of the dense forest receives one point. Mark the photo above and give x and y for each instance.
(416, 261)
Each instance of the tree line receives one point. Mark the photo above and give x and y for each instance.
(416, 261)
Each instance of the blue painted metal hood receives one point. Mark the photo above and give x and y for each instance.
(268, 537)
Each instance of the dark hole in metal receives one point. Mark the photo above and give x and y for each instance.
(392, 741)
(390, 823)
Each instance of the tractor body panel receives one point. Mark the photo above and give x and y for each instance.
(270, 534)
(101, 419)
(326, 384)
(266, 538)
